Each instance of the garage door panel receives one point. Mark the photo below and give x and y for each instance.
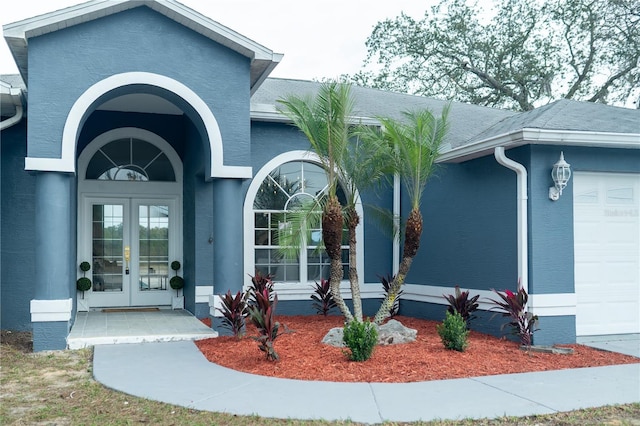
(607, 253)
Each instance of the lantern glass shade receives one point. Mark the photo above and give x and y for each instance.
(561, 173)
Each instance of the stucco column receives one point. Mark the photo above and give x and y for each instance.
(228, 264)
(54, 260)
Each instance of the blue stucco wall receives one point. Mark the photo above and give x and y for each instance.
(16, 232)
(228, 199)
(96, 50)
(470, 235)
(55, 224)
(550, 228)
(198, 223)
(600, 160)
(50, 336)
(305, 307)
(555, 330)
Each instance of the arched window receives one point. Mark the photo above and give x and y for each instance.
(286, 187)
(130, 159)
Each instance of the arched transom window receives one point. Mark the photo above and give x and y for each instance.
(285, 188)
(130, 159)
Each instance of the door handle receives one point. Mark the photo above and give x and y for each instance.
(127, 257)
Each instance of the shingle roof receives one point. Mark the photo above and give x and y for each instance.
(466, 120)
(566, 114)
(474, 130)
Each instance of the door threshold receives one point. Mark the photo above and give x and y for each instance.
(145, 309)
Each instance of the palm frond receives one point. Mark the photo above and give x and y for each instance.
(296, 226)
(385, 221)
(325, 121)
(416, 143)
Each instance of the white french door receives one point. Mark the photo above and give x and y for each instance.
(131, 243)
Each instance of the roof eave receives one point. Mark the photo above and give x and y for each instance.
(269, 113)
(530, 136)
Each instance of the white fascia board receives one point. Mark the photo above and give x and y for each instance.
(53, 21)
(212, 29)
(51, 310)
(271, 64)
(540, 137)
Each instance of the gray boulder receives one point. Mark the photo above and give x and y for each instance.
(391, 333)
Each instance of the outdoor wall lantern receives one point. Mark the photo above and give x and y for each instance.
(560, 173)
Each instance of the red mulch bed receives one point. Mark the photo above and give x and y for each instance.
(303, 356)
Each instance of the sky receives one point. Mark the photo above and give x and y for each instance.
(319, 38)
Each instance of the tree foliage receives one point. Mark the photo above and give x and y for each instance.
(525, 54)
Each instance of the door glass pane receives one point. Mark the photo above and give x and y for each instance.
(153, 247)
(107, 224)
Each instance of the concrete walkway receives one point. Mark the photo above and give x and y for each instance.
(178, 373)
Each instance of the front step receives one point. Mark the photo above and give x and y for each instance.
(135, 326)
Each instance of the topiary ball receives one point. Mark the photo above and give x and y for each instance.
(176, 282)
(83, 284)
(85, 266)
(175, 265)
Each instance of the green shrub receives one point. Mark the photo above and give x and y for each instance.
(453, 332)
(360, 338)
(83, 284)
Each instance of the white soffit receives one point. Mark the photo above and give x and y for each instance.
(141, 102)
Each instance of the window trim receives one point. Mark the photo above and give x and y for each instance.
(289, 291)
(128, 187)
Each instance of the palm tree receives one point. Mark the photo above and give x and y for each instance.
(324, 119)
(415, 144)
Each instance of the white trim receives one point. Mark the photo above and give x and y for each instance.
(397, 192)
(203, 292)
(556, 304)
(51, 310)
(541, 137)
(543, 305)
(215, 303)
(87, 100)
(289, 291)
(127, 132)
(249, 219)
(16, 96)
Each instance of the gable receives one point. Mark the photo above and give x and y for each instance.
(18, 34)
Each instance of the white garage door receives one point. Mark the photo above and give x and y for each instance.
(607, 253)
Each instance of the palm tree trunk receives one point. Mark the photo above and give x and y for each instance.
(334, 282)
(413, 232)
(353, 219)
(332, 236)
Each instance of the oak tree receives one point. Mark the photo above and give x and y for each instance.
(520, 55)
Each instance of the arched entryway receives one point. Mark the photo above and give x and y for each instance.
(129, 217)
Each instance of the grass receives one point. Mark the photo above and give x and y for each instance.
(58, 388)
